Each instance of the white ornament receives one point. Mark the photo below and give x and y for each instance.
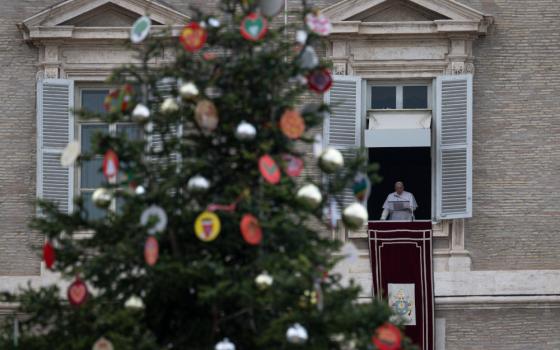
(102, 197)
(161, 216)
(310, 196)
(331, 160)
(70, 154)
(264, 281)
(140, 190)
(140, 112)
(214, 22)
(297, 334)
(169, 105)
(102, 344)
(198, 183)
(317, 145)
(245, 131)
(355, 216)
(301, 36)
(271, 8)
(225, 345)
(134, 302)
(140, 29)
(188, 90)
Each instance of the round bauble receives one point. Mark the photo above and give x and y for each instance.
(169, 105)
(102, 197)
(355, 216)
(310, 196)
(296, 334)
(134, 302)
(140, 113)
(225, 345)
(188, 90)
(102, 344)
(198, 184)
(264, 281)
(139, 190)
(271, 8)
(308, 58)
(245, 131)
(331, 160)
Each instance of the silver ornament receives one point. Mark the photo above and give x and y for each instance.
(301, 36)
(245, 131)
(140, 113)
(102, 197)
(134, 302)
(308, 58)
(139, 190)
(198, 183)
(331, 160)
(271, 8)
(355, 216)
(310, 196)
(264, 280)
(296, 334)
(169, 105)
(188, 90)
(225, 345)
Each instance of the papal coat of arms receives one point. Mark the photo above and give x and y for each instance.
(401, 300)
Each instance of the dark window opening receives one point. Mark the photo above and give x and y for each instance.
(415, 97)
(384, 97)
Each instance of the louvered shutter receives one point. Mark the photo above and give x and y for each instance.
(343, 126)
(55, 128)
(454, 146)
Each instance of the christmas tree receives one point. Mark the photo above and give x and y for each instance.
(211, 229)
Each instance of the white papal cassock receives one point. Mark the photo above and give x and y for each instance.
(400, 206)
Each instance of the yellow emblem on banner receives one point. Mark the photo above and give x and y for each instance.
(207, 226)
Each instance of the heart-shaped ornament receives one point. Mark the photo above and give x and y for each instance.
(253, 27)
(320, 81)
(77, 292)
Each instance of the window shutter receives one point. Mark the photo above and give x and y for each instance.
(55, 128)
(165, 89)
(454, 146)
(343, 127)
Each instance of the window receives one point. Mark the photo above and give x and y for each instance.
(90, 175)
(409, 96)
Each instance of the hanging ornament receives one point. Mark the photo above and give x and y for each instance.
(293, 165)
(269, 169)
(317, 145)
(310, 196)
(318, 23)
(271, 8)
(111, 166)
(198, 184)
(308, 58)
(151, 213)
(168, 106)
(361, 188)
(102, 344)
(264, 280)
(118, 100)
(301, 37)
(387, 337)
(206, 115)
(140, 29)
(296, 334)
(355, 216)
(253, 27)
(77, 292)
(214, 22)
(319, 80)
(331, 160)
(188, 90)
(225, 345)
(70, 154)
(102, 197)
(139, 190)
(245, 131)
(140, 113)
(292, 124)
(49, 255)
(207, 226)
(193, 37)
(134, 302)
(251, 229)
(151, 251)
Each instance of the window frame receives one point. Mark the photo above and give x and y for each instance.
(399, 84)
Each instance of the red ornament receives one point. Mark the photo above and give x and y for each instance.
(110, 165)
(253, 27)
(251, 229)
(77, 292)
(49, 254)
(193, 37)
(387, 337)
(269, 169)
(151, 251)
(292, 124)
(320, 81)
(119, 99)
(294, 165)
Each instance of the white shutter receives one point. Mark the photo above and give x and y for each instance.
(55, 128)
(343, 127)
(454, 146)
(165, 88)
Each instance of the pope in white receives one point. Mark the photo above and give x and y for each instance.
(399, 205)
